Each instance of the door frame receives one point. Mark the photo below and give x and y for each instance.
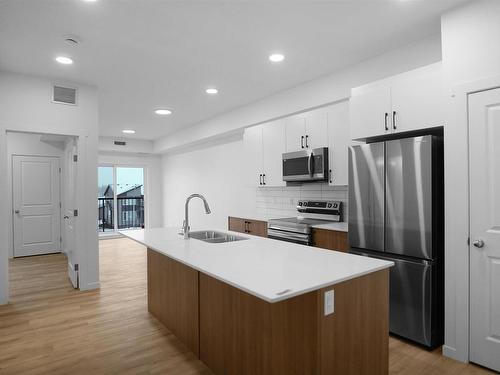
(11, 208)
(457, 217)
(5, 212)
(146, 193)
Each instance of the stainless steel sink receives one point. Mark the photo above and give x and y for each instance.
(213, 236)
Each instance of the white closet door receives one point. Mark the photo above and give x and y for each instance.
(484, 138)
(36, 204)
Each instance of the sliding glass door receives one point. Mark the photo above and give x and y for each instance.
(121, 198)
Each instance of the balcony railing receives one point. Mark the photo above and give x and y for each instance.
(129, 212)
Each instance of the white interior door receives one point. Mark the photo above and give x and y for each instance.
(69, 188)
(484, 138)
(36, 204)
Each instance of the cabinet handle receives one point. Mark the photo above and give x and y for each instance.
(385, 121)
(331, 180)
(246, 226)
(302, 141)
(307, 137)
(394, 120)
(264, 179)
(260, 179)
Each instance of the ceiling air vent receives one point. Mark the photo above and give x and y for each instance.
(120, 143)
(65, 95)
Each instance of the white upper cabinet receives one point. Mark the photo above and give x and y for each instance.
(406, 102)
(264, 146)
(295, 132)
(273, 136)
(418, 101)
(370, 109)
(316, 128)
(338, 142)
(254, 154)
(307, 130)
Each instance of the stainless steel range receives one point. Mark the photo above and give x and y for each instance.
(299, 229)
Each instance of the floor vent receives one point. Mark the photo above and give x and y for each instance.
(64, 95)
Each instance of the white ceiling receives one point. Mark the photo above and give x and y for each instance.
(144, 54)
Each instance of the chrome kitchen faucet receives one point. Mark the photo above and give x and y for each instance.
(185, 225)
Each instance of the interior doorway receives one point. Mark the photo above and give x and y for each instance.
(42, 175)
(121, 198)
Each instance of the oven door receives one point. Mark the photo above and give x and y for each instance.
(300, 238)
(307, 165)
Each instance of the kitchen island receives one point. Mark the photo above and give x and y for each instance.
(262, 306)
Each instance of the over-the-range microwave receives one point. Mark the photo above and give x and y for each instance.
(306, 165)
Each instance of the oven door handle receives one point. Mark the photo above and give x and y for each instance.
(288, 235)
(310, 165)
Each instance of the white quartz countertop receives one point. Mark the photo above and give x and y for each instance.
(269, 269)
(340, 227)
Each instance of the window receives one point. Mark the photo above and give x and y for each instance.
(121, 196)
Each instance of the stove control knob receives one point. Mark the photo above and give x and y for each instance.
(300, 203)
(329, 205)
(305, 203)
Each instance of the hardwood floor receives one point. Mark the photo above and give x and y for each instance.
(50, 328)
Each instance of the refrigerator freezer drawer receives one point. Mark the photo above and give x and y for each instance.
(415, 313)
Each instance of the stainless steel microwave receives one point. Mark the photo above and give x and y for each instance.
(306, 165)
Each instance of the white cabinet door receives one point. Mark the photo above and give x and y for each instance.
(418, 102)
(370, 112)
(316, 128)
(253, 148)
(295, 133)
(274, 145)
(338, 143)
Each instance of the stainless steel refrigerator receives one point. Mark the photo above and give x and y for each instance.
(396, 212)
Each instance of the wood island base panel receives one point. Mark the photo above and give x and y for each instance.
(234, 332)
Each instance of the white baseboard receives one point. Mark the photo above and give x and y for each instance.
(91, 286)
(452, 353)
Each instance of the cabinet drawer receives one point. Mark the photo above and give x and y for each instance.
(330, 239)
(255, 227)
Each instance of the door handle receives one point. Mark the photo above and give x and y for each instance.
(385, 121)
(16, 211)
(479, 243)
(66, 217)
(310, 165)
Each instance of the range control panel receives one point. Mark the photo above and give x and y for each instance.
(320, 207)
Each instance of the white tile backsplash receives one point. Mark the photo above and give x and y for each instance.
(282, 201)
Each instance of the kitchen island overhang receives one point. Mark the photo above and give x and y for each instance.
(261, 306)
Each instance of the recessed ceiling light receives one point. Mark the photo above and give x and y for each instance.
(64, 60)
(128, 131)
(276, 57)
(212, 91)
(163, 112)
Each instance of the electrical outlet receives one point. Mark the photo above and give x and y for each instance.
(329, 302)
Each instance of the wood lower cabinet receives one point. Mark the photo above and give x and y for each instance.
(330, 239)
(255, 227)
(173, 298)
(234, 332)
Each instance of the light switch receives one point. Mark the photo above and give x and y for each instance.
(329, 302)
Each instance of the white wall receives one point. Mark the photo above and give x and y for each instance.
(316, 93)
(26, 144)
(153, 181)
(216, 173)
(471, 51)
(26, 106)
